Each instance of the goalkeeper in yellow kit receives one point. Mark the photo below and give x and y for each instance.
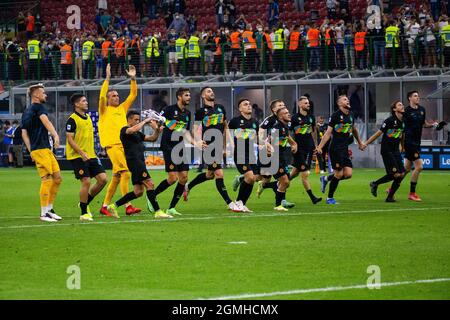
(112, 118)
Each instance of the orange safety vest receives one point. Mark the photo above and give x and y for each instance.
(313, 37)
(360, 40)
(135, 43)
(218, 51)
(66, 54)
(105, 48)
(294, 42)
(269, 42)
(120, 48)
(327, 37)
(235, 40)
(249, 41)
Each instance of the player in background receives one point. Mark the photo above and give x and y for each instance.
(133, 143)
(35, 128)
(392, 131)
(176, 127)
(414, 119)
(245, 133)
(212, 116)
(321, 128)
(112, 118)
(81, 154)
(303, 126)
(263, 134)
(280, 136)
(340, 129)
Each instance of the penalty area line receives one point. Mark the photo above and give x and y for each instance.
(225, 216)
(326, 289)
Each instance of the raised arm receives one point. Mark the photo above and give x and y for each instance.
(138, 126)
(156, 131)
(133, 88)
(104, 90)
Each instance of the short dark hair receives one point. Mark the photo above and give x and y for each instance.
(15, 122)
(181, 91)
(242, 100)
(273, 102)
(76, 97)
(7, 123)
(33, 88)
(409, 94)
(132, 113)
(203, 89)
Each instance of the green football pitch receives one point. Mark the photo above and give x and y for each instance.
(311, 252)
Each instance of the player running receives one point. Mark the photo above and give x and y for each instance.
(133, 143)
(212, 117)
(414, 119)
(35, 128)
(176, 127)
(303, 126)
(280, 136)
(112, 118)
(340, 129)
(392, 131)
(81, 154)
(245, 132)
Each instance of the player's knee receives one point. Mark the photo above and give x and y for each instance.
(86, 182)
(57, 180)
(183, 179)
(218, 174)
(102, 180)
(139, 193)
(172, 179)
(419, 168)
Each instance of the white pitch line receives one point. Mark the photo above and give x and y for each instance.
(326, 289)
(225, 216)
(237, 242)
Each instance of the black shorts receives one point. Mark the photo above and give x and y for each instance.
(87, 169)
(282, 170)
(393, 162)
(171, 166)
(340, 159)
(138, 171)
(301, 160)
(244, 168)
(412, 152)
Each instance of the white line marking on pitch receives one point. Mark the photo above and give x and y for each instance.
(225, 216)
(327, 289)
(237, 242)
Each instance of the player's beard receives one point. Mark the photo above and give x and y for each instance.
(43, 100)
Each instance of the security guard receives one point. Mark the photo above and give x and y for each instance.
(193, 54)
(393, 44)
(180, 47)
(445, 35)
(88, 57)
(35, 54)
(278, 48)
(152, 56)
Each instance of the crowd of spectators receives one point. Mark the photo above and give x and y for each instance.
(412, 37)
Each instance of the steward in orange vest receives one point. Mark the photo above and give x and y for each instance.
(295, 49)
(66, 60)
(249, 41)
(360, 49)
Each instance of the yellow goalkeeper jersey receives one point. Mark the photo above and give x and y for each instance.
(112, 119)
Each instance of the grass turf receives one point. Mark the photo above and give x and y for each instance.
(191, 257)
